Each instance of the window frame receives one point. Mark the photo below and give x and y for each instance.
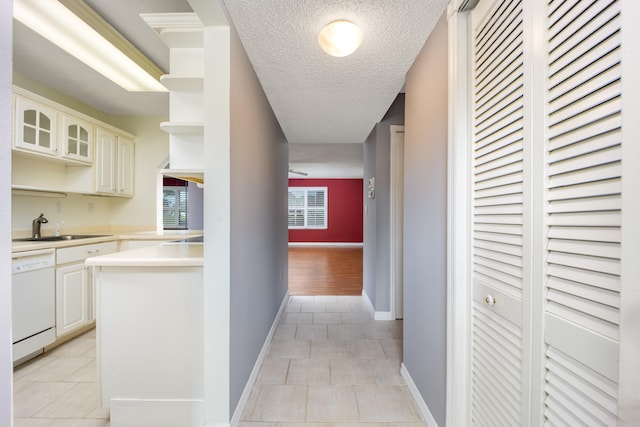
(177, 190)
(306, 208)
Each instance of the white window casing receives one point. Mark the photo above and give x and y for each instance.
(308, 208)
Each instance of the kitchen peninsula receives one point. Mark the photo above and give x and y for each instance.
(150, 335)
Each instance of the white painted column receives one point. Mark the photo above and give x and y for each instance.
(217, 225)
(458, 222)
(629, 374)
(6, 72)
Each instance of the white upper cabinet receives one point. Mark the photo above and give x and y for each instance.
(77, 139)
(43, 129)
(105, 165)
(35, 127)
(61, 149)
(125, 166)
(114, 163)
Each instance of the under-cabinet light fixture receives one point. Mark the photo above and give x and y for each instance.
(340, 38)
(79, 30)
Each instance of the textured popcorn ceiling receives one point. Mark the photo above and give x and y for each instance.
(324, 104)
(318, 98)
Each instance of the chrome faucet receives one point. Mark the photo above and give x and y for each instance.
(35, 226)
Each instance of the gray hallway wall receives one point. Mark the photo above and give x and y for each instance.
(377, 211)
(259, 156)
(425, 221)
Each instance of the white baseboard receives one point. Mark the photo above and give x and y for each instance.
(383, 315)
(235, 419)
(368, 303)
(345, 244)
(377, 315)
(156, 412)
(417, 397)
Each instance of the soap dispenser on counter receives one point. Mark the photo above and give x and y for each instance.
(58, 224)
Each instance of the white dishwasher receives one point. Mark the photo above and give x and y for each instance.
(33, 301)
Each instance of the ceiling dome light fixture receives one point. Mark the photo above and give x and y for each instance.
(340, 38)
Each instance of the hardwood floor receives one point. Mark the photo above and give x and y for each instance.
(325, 270)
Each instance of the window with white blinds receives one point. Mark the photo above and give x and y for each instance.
(307, 207)
(175, 201)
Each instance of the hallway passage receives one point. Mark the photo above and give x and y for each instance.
(325, 270)
(330, 363)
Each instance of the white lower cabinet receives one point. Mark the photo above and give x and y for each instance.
(72, 298)
(75, 296)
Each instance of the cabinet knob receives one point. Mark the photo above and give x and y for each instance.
(490, 300)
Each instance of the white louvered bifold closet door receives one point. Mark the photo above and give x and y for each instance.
(584, 210)
(497, 101)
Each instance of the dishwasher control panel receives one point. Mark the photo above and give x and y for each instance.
(32, 260)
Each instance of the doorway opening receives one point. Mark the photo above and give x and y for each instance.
(325, 270)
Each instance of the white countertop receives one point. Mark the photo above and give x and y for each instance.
(164, 255)
(142, 235)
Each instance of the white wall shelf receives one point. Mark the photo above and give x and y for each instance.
(183, 128)
(182, 83)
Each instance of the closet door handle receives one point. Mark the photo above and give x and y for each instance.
(490, 300)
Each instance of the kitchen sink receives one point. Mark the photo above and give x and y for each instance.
(59, 238)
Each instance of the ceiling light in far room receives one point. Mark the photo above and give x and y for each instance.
(340, 38)
(77, 29)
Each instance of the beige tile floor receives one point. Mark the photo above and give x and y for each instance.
(329, 365)
(58, 388)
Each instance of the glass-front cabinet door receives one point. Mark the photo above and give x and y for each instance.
(35, 127)
(77, 137)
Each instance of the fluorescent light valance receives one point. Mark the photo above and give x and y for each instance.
(77, 29)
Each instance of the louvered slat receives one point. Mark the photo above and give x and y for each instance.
(595, 234)
(584, 201)
(504, 268)
(602, 141)
(499, 181)
(587, 263)
(498, 165)
(499, 171)
(515, 188)
(585, 277)
(591, 218)
(582, 191)
(509, 143)
(497, 255)
(506, 238)
(498, 220)
(511, 229)
(590, 293)
(587, 248)
(582, 205)
(599, 310)
(570, 173)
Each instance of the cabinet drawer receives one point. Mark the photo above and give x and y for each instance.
(82, 252)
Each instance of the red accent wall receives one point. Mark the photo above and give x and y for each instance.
(345, 211)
